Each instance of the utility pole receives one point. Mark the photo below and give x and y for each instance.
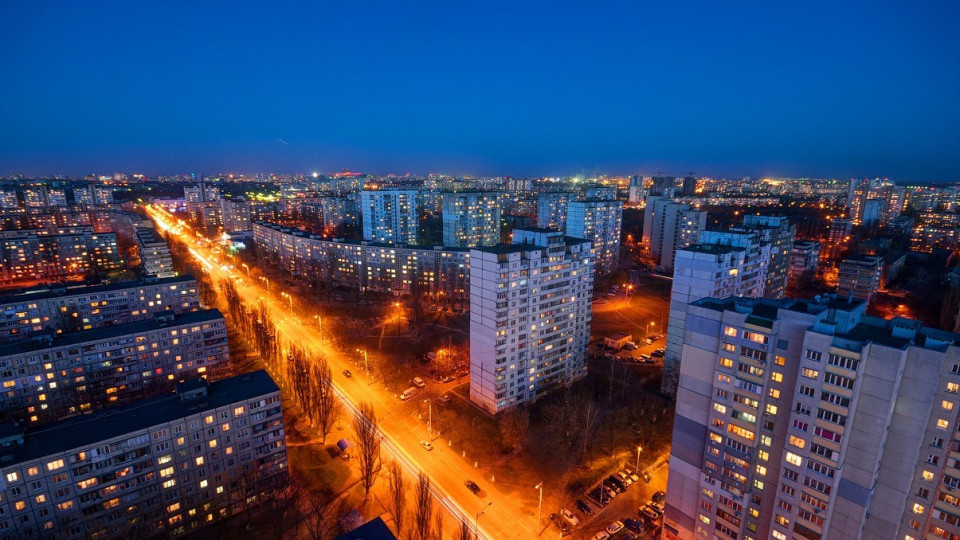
(539, 487)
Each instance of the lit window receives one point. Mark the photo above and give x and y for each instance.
(918, 508)
(928, 476)
(946, 405)
(730, 331)
(942, 424)
(12, 477)
(794, 459)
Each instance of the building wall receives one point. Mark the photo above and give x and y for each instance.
(530, 309)
(390, 216)
(471, 219)
(85, 308)
(197, 465)
(110, 365)
(599, 222)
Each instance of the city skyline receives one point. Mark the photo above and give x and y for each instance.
(748, 90)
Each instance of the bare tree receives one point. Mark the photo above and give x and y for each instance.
(438, 524)
(282, 508)
(321, 515)
(326, 406)
(367, 431)
(398, 494)
(514, 425)
(464, 532)
(424, 508)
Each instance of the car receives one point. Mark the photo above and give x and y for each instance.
(568, 515)
(427, 445)
(659, 497)
(418, 382)
(602, 535)
(444, 399)
(614, 527)
(474, 488)
(633, 525)
(584, 508)
(633, 474)
(659, 353)
(408, 393)
(630, 347)
(447, 378)
(657, 505)
(624, 477)
(561, 524)
(614, 482)
(347, 374)
(646, 358)
(609, 492)
(647, 515)
(646, 477)
(656, 511)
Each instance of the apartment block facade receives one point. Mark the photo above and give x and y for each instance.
(530, 312)
(552, 209)
(390, 215)
(811, 420)
(805, 258)
(57, 253)
(599, 222)
(860, 276)
(471, 218)
(158, 467)
(389, 268)
(155, 259)
(47, 379)
(669, 226)
(60, 310)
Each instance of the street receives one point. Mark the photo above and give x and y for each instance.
(499, 515)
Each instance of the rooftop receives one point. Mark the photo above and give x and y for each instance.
(136, 327)
(88, 429)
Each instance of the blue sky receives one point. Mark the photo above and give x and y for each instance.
(513, 88)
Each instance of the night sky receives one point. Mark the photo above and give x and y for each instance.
(834, 89)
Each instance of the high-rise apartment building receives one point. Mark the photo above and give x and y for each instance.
(8, 200)
(61, 309)
(778, 234)
(811, 420)
(338, 211)
(860, 276)
(530, 311)
(158, 467)
(874, 201)
(804, 259)
(46, 379)
(552, 209)
(600, 192)
(155, 259)
(390, 215)
(669, 226)
(471, 218)
(722, 264)
(236, 215)
(599, 222)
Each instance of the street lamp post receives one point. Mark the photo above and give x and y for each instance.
(639, 449)
(247, 267)
(366, 365)
(399, 317)
(649, 324)
(319, 325)
(539, 487)
(476, 523)
(267, 281)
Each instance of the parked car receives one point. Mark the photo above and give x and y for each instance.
(418, 382)
(614, 527)
(584, 508)
(658, 353)
(408, 393)
(646, 477)
(609, 492)
(646, 359)
(561, 524)
(474, 488)
(633, 525)
(633, 474)
(648, 515)
(630, 347)
(656, 511)
(658, 506)
(444, 399)
(568, 515)
(614, 481)
(659, 497)
(447, 378)
(427, 445)
(347, 374)
(602, 535)
(624, 477)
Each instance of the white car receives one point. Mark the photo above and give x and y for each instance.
(614, 527)
(602, 535)
(427, 445)
(568, 515)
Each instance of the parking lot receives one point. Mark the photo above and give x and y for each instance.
(623, 506)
